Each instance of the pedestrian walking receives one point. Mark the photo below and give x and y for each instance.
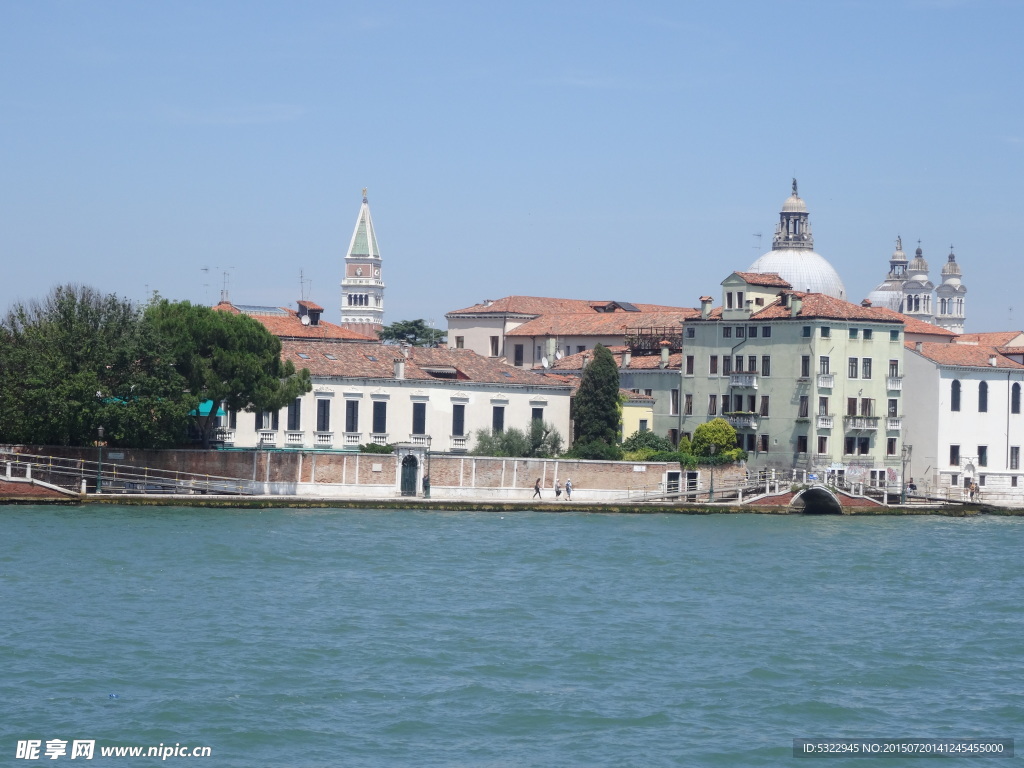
(536, 489)
(558, 489)
(568, 489)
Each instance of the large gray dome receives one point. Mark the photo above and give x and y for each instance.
(792, 256)
(804, 270)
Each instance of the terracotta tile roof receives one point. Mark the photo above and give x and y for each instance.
(769, 279)
(311, 305)
(916, 326)
(636, 397)
(991, 338)
(819, 305)
(377, 361)
(285, 323)
(538, 305)
(636, 363)
(600, 323)
(968, 355)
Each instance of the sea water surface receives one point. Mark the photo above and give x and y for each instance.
(408, 638)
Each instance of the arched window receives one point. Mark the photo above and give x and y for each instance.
(982, 397)
(954, 400)
(1015, 399)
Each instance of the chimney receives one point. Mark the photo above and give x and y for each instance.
(917, 346)
(992, 360)
(664, 354)
(705, 307)
(399, 368)
(627, 357)
(783, 299)
(797, 304)
(866, 303)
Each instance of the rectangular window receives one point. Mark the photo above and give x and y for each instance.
(727, 365)
(518, 355)
(688, 405)
(852, 373)
(894, 368)
(649, 392)
(726, 331)
(954, 455)
(460, 342)
(750, 441)
(981, 479)
(674, 407)
(739, 300)
(1014, 457)
(691, 332)
(689, 365)
(801, 443)
(823, 366)
(752, 364)
(894, 335)
(893, 409)
(295, 415)
(850, 445)
(766, 331)
(865, 368)
(323, 415)
(805, 367)
(766, 365)
(867, 406)
(806, 331)
(643, 425)
(458, 420)
(822, 444)
(826, 332)
(351, 415)
(737, 401)
(805, 407)
(863, 445)
(890, 446)
(823, 406)
(537, 414)
(380, 417)
(752, 403)
(982, 455)
(494, 346)
(752, 331)
(728, 300)
(741, 332)
(581, 348)
(867, 334)
(498, 419)
(764, 405)
(853, 333)
(954, 480)
(713, 365)
(537, 355)
(762, 443)
(419, 418)
(712, 405)
(851, 406)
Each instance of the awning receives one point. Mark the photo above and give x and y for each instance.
(204, 409)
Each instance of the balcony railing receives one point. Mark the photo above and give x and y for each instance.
(825, 421)
(742, 420)
(268, 438)
(894, 382)
(743, 380)
(826, 380)
(353, 439)
(379, 438)
(324, 439)
(293, 439)
(861, 422)
(460, 443)
(894, 423)
(226, 436)
(418, 439)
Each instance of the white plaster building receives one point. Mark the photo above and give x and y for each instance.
(964, 420)
(384, 394)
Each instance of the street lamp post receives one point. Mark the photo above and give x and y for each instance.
(904, 457)
(711, 495)
(426, 474)
(99, 464)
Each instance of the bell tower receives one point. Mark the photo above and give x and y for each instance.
(362, 287)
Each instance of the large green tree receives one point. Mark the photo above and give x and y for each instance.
(415, 332)
(541, 440)
(717, 432)
(79, 359)
(597, 410)
(226, 358)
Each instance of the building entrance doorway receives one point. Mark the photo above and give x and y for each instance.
(409, 472)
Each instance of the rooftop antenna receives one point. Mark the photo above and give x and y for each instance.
(758, 246)
(224, 289)
(304, 286)
(206, 284)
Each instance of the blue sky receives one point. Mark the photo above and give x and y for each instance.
(600, 150)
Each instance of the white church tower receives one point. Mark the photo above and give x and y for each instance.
(362, 287)
(950, 297)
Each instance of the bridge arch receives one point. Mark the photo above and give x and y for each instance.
(817, 500)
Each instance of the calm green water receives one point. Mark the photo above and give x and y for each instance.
(377, 638)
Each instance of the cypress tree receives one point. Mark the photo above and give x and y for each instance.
(596, 409)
